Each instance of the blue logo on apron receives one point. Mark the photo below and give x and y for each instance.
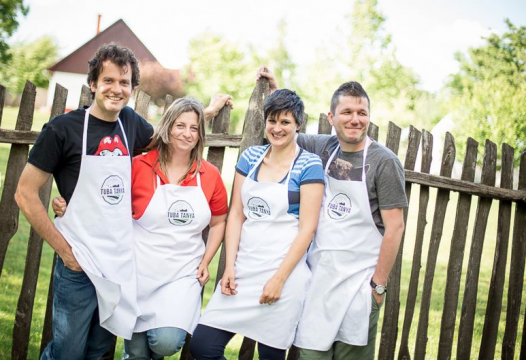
(180, 213)
(112, 190)
(339, 207)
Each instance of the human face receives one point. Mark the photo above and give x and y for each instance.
(351, 121)
(281, 129)
(185, 132)
(112, 91)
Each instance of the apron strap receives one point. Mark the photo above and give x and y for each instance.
(366, 148)
(85, 133)
(260, 160)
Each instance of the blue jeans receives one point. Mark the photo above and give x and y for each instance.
(154, 344)
(77, 333)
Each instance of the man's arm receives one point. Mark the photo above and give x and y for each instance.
(217, 102)
(393, 220)
(27, 197)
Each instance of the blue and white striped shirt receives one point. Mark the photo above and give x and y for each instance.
(307, 169)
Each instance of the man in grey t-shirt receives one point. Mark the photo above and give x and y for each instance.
(359, 232)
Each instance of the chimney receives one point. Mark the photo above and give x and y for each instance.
(98, 24)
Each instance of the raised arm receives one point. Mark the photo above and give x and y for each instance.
(235, 221)
(311, 196)
(27, 197)
(263, 71)
(217, 102)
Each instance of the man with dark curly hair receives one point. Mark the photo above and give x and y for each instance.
(88, 151)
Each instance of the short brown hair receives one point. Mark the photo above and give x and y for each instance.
(350, 88)
(120, 56)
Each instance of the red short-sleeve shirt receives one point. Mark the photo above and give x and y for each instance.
(144, 183)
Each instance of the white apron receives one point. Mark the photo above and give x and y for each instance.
(342, 259)
(266, 237)
(169, 247)
(98, 226)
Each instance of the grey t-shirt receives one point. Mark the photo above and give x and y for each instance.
(384, 173)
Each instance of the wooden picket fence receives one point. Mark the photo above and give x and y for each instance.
(486, 191)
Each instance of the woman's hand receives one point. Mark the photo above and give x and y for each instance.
(202, 274)
(228, 286)
(271, 291)
(59, 206)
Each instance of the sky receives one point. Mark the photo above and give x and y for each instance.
(426, 33)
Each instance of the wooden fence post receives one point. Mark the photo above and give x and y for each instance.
(15, 165)
(389, 331)
(442, 199)
(456, 255)
(493, 309)
(427, 151)
(518, 255)
(467, 318)
(24, 311)
(2, 101)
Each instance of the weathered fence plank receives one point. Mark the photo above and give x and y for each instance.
(15, 164)
(85, 97)
(389, 331)
(220, 125)
(2, 101)
(142, 103)
(48, 318)
(516, 279)
(467, 318)
(24, 311)
(324, 127)
(442, 199)
(456, 255)
(466, 187)
(494, 306)
(373, 131)
(427, 151)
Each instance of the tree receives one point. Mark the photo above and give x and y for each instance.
(29, 61)
(9, 10)
(488, 92)
(365, 53)
(219, 66)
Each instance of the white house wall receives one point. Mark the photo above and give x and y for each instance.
(72, 82)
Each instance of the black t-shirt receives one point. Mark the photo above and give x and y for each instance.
(58, 148)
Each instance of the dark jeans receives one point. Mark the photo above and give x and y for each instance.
(77, 333)
(209, 343)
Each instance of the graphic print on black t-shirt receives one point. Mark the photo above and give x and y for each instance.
(111, 146)
(340, 169)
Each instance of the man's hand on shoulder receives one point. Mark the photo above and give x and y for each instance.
(263, 71)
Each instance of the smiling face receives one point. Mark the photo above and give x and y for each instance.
(112, 90)
(351, 122)
(185, 132)
(281, 129)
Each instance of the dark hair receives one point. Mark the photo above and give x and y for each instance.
(120, 56)
(350, 88)
(283, 101)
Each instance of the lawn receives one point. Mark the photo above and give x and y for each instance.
(12, 274)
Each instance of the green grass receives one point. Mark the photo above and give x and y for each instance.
(12, 274)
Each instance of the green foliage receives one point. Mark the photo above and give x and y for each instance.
(488, 92)
(219, 66)
(9, 10)
(364, 52)
(29, 61)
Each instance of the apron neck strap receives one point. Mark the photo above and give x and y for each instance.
(260, 160)
(85, 133)
(198, 178)
(365, 149)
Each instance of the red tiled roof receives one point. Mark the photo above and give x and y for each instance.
(120, 33)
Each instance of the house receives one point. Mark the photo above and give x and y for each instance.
(71, 71)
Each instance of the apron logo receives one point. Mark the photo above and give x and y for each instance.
(339, 207)
(180, 213)
(112, 190)
(258, 208)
